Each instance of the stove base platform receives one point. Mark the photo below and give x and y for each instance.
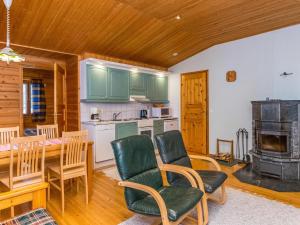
(247, 175)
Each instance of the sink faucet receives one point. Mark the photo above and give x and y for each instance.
(115, 115)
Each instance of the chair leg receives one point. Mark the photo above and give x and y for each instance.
(48, 179)
(220, 200)
(223, 195)
(157, 222)
(200, 214)
(205, 209)
(62, 195)
(77, 184)
(86, 189)
(12, 211)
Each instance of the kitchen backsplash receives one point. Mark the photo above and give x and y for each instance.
(106, 110)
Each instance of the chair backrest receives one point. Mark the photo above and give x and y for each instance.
(7, 134)
(51, 131)
(27, 161)
(136, 162)
(74, 149)
(172, 151)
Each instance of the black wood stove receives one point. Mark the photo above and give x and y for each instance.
(276, 127)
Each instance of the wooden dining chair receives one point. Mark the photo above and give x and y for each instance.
(8, 133)
(73, 163)
(27, 160)
(51, 131)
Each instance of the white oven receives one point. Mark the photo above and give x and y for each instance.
(145, 127)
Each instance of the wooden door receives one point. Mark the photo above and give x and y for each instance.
(194, 116)
(60, 97)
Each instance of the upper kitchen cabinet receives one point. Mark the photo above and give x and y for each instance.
(137, 83)
(118, 84)
(96, 80)
(110, 83)
(157, 88)
(151, 87)
(162, 88)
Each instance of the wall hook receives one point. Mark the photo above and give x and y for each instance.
(286, 74)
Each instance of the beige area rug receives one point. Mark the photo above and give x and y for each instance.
(241, 208)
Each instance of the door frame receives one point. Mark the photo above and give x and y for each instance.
(207, 103)
(64, 86)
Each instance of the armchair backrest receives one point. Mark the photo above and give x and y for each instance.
(136, 162)
(172, 151)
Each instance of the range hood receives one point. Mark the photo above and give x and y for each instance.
(139, 98)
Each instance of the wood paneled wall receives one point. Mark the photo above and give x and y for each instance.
(48, 79)
(10, 95)
(73, 91)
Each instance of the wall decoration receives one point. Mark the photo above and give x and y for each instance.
(231, 76)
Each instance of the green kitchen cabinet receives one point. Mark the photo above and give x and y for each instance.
(118, 81)
(105, 84)
(137, 83)
(126, 129)
(161, 88)
(158, 127)
(151, 87)
(96, 82)
(157, 88)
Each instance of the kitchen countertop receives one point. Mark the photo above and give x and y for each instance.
(106, 122)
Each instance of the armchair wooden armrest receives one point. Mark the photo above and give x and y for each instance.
(191, 175)
(213, 161)
(151, 191)
(180, 170)
(201, 187)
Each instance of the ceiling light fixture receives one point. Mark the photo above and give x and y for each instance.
(175, 54)
(134, 70)
(160, 74)
(178, 17)
(7, 54)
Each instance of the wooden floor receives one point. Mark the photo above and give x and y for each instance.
(107, 204)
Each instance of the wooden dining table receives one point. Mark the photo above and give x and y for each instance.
(52, 152)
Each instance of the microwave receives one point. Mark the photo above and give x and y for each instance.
(161, 112)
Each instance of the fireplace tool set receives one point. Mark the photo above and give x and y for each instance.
(242, 149)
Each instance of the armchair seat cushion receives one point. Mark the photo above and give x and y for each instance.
(178, 201)
(212, 180)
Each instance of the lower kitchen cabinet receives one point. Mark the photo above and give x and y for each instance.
(126, 129)
(158, 128)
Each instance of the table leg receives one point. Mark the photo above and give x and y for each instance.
(90, 167)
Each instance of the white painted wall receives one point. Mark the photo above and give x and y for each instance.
(258, 61)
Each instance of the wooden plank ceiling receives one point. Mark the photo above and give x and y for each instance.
(143, 30)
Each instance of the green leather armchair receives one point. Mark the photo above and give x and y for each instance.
(144, 189)
(172, 151)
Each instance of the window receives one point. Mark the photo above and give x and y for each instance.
(26, 97)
